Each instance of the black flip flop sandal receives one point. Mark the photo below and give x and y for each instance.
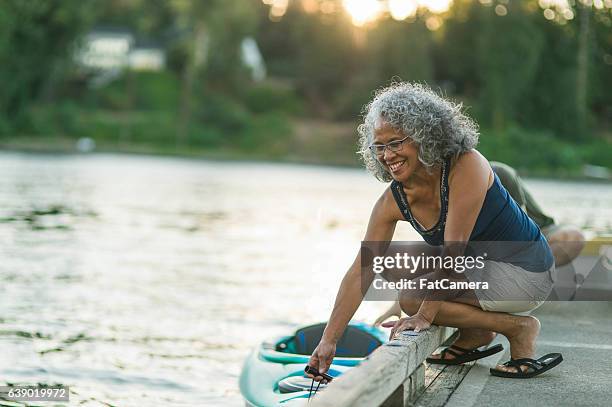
(534, 366)
(467, 355)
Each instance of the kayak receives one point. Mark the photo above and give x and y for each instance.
(273, 374)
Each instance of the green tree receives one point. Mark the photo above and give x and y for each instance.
(37, 42)
(403, 49)
(214, 31)
(454, 52)
(508, 55)
(326, 58)
(550, 101)
(599, 99)
(152, 19)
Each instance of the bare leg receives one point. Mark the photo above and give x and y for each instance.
(566, 243)
(469, 338)
(521, 331)
(393, 311)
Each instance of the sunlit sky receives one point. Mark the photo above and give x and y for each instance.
(363, 12)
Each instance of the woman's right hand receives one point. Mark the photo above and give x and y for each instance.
(322, 358)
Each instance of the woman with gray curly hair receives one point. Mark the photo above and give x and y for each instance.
(424, 146)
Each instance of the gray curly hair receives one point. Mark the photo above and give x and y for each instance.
(437, 125)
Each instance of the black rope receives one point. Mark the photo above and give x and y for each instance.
(310, 393)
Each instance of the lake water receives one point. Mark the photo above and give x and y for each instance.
(144, 280)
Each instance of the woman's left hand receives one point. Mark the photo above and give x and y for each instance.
(416, 322)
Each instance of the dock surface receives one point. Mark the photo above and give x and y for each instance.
(582, 332)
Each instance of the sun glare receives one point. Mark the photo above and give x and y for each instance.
(362, 11)
(436, 6)
(402, 9)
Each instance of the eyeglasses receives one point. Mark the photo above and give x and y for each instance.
(395, 146)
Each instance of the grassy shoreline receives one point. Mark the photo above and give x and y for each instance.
(67, 145)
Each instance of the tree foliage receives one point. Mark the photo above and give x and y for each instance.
(37, 41)
(515, 65)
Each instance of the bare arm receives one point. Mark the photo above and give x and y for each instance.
(380, 228)
(468, 185)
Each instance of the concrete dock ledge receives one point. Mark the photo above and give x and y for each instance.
(393, 375)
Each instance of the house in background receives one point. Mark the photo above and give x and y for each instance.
(106, 52)
(105, 49)
(147, 57)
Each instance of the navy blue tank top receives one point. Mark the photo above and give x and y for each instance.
(500, 219)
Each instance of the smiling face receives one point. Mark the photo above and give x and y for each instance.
(401, 164)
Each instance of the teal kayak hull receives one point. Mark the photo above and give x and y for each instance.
(271, 363)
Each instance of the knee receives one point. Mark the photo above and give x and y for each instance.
(567, 234)
(576, 236)
(410, 305)
(569, 240)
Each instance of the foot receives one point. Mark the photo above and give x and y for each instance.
(471, 339)
(522, 338)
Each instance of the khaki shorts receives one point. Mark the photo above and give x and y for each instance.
(512, 289)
